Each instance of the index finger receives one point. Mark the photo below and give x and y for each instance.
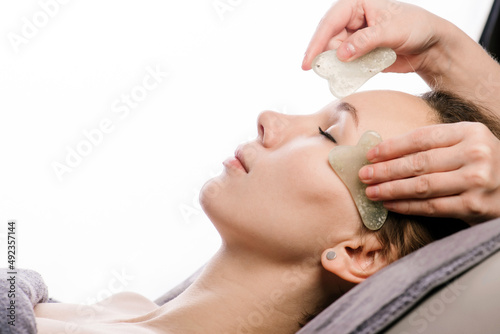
(332, 23)
(419, 140)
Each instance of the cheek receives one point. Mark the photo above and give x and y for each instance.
(310, 200)
(307, 181)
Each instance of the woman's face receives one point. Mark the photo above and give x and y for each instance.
(279, 195)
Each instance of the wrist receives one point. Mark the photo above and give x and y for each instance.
(443, 55)
(459, 64)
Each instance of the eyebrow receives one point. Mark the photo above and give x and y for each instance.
(344, 106)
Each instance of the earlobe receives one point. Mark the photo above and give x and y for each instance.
(355, 261)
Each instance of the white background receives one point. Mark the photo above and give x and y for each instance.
(127, 217)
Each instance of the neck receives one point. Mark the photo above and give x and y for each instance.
(241, 293)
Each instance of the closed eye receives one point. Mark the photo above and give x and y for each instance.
(327, 135)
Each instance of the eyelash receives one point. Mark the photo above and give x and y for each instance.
(327, 135)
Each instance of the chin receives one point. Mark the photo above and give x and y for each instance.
(222, 207)
(212, 198)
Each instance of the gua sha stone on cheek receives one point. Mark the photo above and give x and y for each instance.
(344, 78)
(346, 161)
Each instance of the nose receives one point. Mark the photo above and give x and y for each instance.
(271, 126)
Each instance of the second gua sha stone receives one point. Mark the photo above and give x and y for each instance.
(345, 78)
(346, 161)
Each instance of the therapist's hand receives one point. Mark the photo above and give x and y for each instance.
(438, 51)
(355, 27)
(444, 170)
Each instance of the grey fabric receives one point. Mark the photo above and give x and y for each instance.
(29, 290)
(469, 304)
(377, 302)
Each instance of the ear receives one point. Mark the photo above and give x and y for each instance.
(356, 260)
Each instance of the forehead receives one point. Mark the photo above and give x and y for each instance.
(389, 113)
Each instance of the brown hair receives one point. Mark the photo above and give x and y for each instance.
(402, 234)
(452, 109)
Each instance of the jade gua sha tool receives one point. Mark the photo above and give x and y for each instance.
(346, 161)
(344, 78)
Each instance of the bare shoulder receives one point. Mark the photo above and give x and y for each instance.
(117, 313)
(128, 300)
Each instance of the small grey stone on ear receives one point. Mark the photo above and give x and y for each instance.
(331, 255)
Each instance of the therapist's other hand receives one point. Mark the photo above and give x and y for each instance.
(355, 27)
(445, 170)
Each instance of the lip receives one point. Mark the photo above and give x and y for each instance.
(234, 163)
(238, 162)
(238, 154)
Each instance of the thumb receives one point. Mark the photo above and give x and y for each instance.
(359, 43)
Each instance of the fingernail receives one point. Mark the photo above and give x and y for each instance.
(366, 173)
(346, 52)
(351, 50)
(372, 154)
(304, 60)
(372, 192)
